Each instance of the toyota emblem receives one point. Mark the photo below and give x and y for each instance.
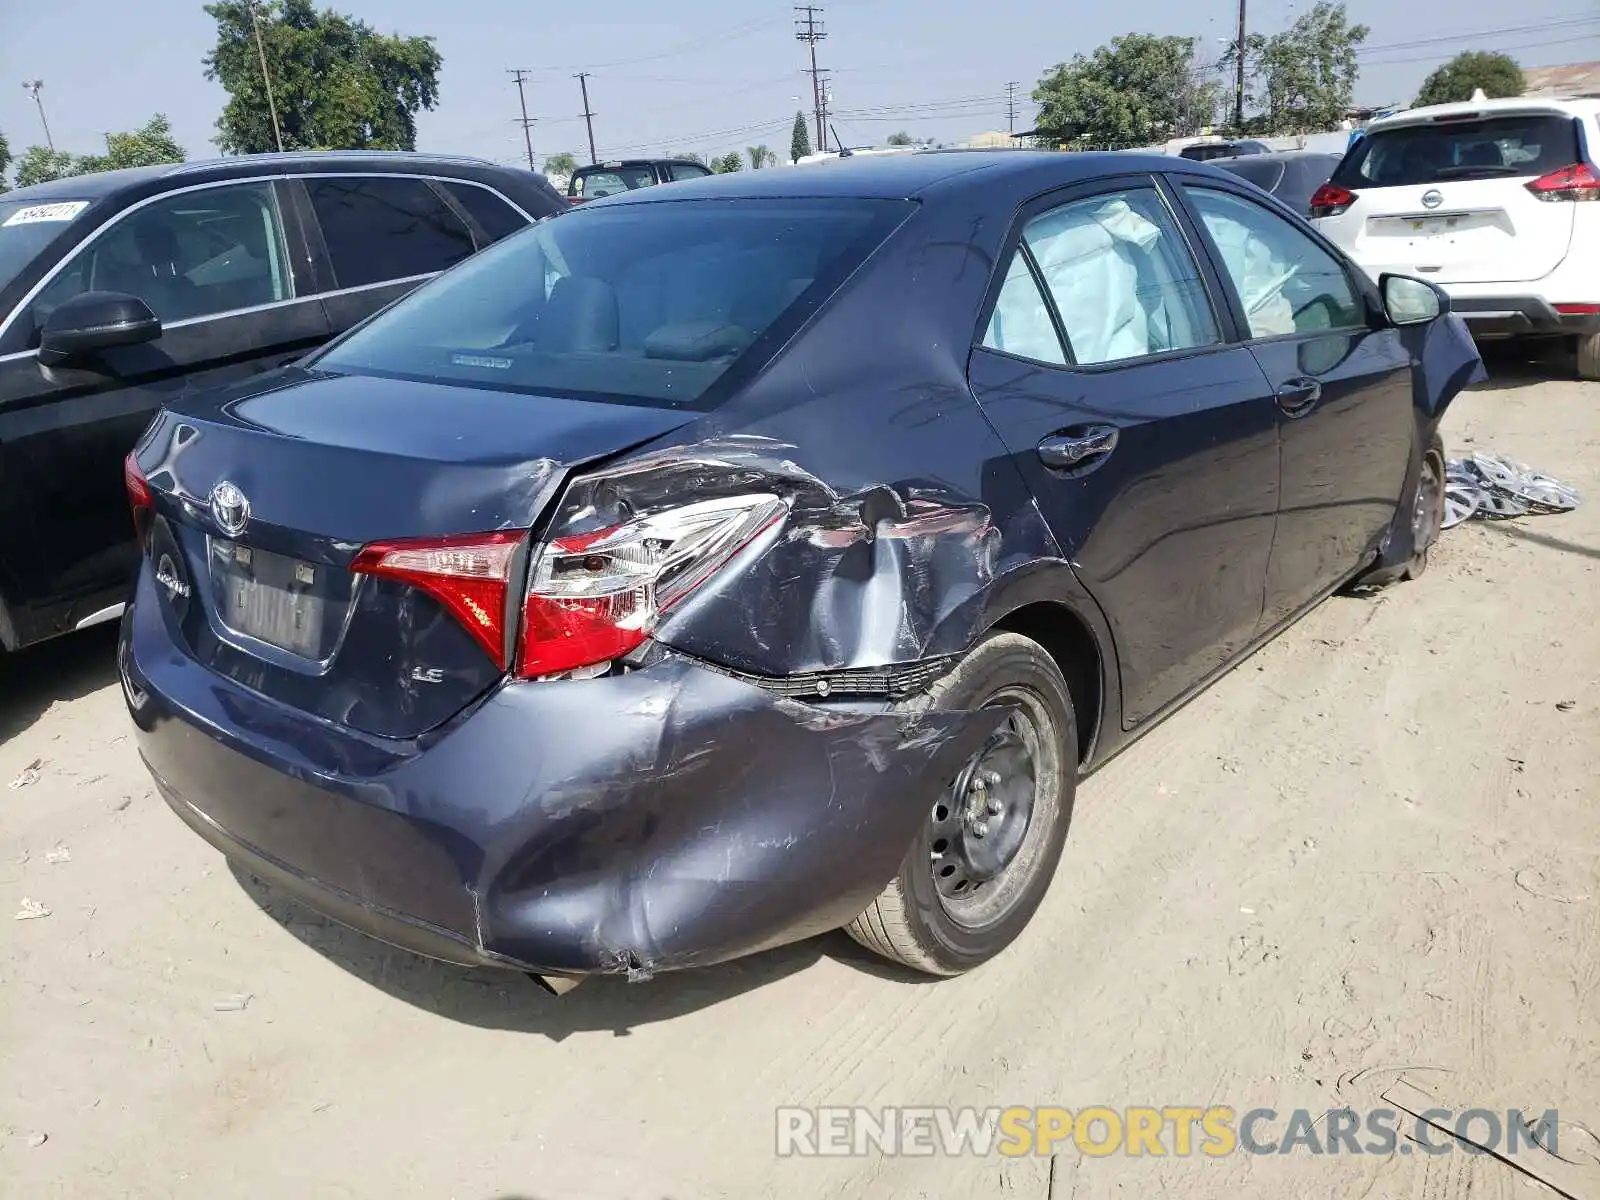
(229, 508)
(1432, 198)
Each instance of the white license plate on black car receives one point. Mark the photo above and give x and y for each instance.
(271, 598)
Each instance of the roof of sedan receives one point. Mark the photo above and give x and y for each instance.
(107, 183)
(906, 176)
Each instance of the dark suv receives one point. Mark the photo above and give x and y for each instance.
(609, 178)
(122, 291)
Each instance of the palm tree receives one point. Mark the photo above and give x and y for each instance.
(760, 157)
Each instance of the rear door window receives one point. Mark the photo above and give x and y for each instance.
(496, 217)
(1511, 146)
(380, 228)
(1265, 175)
(688, 170)
(1121, 277)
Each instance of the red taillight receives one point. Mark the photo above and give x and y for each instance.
(1577, 182)
(140, 501)
(469, 575)
(1578, 310)
(594, 596)
(1330, 200)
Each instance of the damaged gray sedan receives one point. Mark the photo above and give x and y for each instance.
(718, 565)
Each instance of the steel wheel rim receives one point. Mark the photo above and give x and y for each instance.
(1427, 513)
(978, 855)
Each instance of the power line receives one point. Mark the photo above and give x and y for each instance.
(1011, 106)
(527, 125)
(588, 117)
(759, 25)
(808, 29)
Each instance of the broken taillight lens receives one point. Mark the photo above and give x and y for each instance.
(594, 596)
(469, 575)
(1330, 200)
(1577, 182)
(140, 500)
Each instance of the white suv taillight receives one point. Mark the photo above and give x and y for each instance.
(1577, 182)
(592, 597)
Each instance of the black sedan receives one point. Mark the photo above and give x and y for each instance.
(1292, 176)
(725, 563)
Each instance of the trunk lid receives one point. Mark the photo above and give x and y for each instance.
(266, 494)
(1447, 198)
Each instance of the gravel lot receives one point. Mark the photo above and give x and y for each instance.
(1375, 845)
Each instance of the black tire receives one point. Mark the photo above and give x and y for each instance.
(1424, 508)
(1427, 508)
(1589, 356)
(914, 920)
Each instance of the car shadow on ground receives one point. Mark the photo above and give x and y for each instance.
(66, 668)
(508, 1000)
(1513, 364)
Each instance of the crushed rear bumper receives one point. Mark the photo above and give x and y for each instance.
(669, 817)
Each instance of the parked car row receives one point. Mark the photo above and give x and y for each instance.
(725, 562)
(124, 291)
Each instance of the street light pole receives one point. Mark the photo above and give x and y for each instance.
(32, 87)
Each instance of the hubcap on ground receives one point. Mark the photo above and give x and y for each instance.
(980, 823)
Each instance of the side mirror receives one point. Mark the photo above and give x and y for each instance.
(1408, 301)
(93, 321)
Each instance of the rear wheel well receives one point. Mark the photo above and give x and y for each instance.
(1068, 641)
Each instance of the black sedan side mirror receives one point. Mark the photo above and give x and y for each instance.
(1409, 301)
(93, 321)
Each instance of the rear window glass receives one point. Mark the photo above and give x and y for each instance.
(1528, 145)
(1265, 175)
(649, 303)
(592, 184)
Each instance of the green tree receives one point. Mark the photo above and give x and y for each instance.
(1303, 79)
(40, 164)
(561, 164)
(800, 139)
(5, 160)
(1137, 91)
(900, 139)
(760, 157)
(147, 146)
(336, 82)
(688, 156)
(1497, 74)
(729, 163)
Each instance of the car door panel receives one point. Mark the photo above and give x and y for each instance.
(1156, 464)
(1342, 380)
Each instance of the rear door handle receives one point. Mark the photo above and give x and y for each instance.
(1296, 395)
(1078, 448)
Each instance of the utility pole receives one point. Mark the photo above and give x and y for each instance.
(808, 29)
(1238, 79)
(32, 87)
(527, 125)
(266, 79)
(826, 99)
(588, 117)
(1011, 106)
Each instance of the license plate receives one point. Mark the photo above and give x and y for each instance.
(272, 598)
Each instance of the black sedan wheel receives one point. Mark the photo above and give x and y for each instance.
(992, 839)
(1427, 508)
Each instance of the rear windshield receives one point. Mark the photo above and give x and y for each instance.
(27, 227)
(593, 182)
(1486, 148)
(650, 303)
(1266, 175)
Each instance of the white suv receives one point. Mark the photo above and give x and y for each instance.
(1497, 201)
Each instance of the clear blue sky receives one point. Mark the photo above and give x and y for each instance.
(706, 81)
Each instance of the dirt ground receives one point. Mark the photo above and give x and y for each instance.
(1374, 846)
